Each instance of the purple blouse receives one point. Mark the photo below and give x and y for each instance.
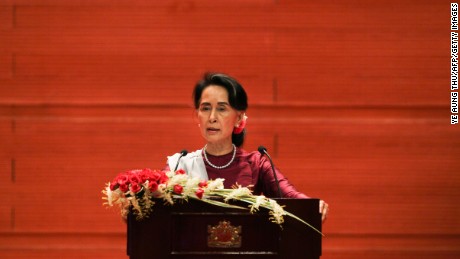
(250, 169)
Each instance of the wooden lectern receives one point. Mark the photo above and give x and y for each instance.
(195, 229)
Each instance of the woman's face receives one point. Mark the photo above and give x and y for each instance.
(216, 117)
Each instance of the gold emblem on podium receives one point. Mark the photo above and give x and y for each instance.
(224, 235)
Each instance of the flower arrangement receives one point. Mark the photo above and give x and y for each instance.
(136, 188)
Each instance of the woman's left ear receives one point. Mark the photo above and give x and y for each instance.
(241, 123)
(240, 117)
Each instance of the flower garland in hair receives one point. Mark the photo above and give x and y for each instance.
(136, 189)
(238, 129)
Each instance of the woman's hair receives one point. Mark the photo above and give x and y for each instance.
(237, 97)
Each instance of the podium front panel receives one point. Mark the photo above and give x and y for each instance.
(222, 233)
(195, 229)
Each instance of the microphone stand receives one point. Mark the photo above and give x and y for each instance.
(263, 151)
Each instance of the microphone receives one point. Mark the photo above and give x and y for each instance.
(182, 153)
(263, 151)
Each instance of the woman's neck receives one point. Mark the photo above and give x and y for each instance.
(219, 149)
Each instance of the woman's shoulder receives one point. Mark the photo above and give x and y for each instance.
(253, 156)
(196, 153)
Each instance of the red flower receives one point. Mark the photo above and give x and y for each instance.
(123, 187)
(122, 179)
(153, 186)
(199, 193)
(203, 183)
(240, 128)
(178, 189)
(135, 187)
(134, 178)
(113, 185)
(163, 177)
(145, 174)
(180, 171)
(155, 176)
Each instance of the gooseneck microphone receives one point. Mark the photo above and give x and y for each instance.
(182, 153)
(263, 151)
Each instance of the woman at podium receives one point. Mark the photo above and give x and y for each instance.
(220, 106)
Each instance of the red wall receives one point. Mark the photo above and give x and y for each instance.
(351, 98)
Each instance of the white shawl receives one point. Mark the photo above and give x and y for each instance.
(192, 164)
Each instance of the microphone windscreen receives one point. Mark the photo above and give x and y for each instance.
(262, 150)
(184, 152)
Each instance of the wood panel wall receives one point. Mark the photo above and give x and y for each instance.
(350, 97)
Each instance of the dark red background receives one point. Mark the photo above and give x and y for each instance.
(352, 99)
